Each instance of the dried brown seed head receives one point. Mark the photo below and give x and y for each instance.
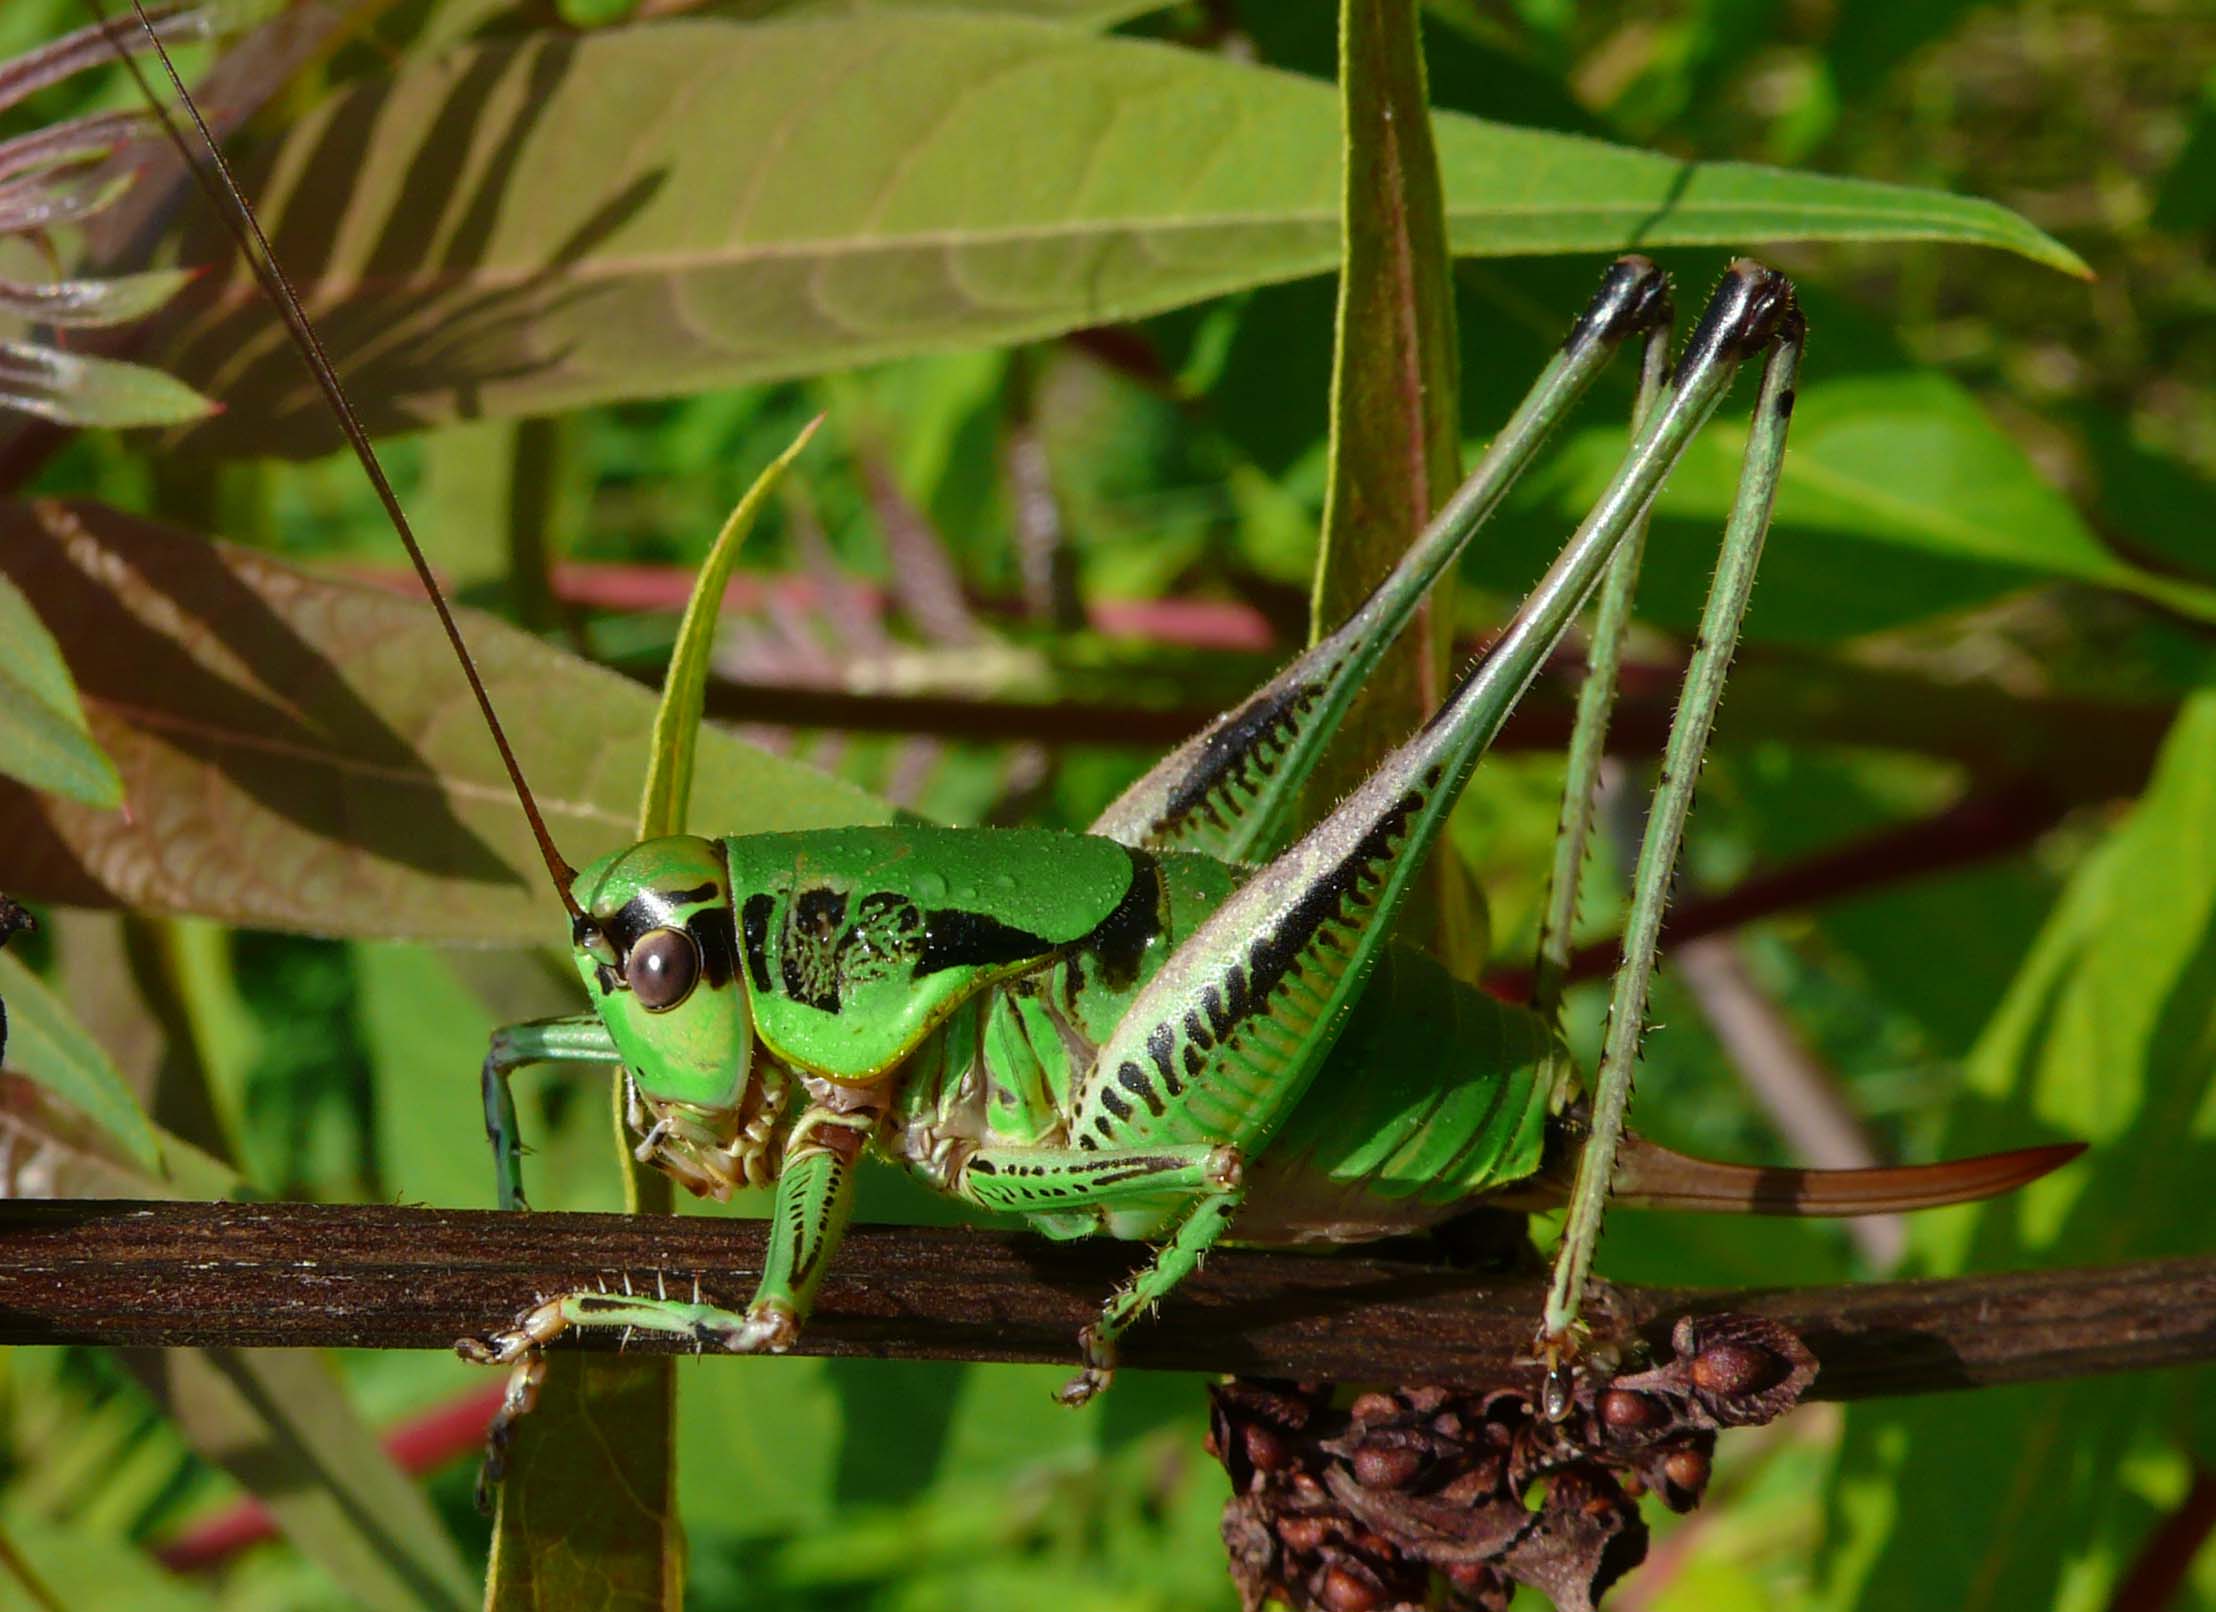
(1734, 1369)
(1623, 1410)
(1305, 1535)
(1686, 1472)
(1379, 1465)
(1266, 1450)
(1343, 1589)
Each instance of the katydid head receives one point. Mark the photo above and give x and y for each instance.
(656, 947)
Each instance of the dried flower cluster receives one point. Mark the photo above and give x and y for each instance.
(1439, 1497)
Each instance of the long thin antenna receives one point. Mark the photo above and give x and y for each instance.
(238, 216)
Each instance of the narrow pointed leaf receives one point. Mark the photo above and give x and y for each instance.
(46, 1043)
(79, 389)
(44, 741)
(677, 718)
(86, 304)
(69, 141)
(92, 46)
(1395, 449)
(302, 753)
(536, 224)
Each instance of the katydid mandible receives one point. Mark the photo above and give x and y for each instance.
(1174, 1028)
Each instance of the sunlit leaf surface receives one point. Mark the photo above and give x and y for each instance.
(663, 209)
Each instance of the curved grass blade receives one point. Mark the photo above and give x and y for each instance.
(677, 719)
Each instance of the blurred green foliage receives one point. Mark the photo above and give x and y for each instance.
(2005, 484)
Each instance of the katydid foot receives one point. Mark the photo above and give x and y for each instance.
(1098, 1371)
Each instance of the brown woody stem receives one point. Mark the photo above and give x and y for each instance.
(287, 1275)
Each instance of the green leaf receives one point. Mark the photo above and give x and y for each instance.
(2104, 1037)
(531, 225)
(587, 1518)
(279, 1421)
(81, 390)
(1396, 450)
(1900, 499)
(321, 766)
(677, 719)
(1075, 13)
(422, 1014)
(69, 1564)
(2187, 199)
(46, 1042)
(43, 737)
(82, 304)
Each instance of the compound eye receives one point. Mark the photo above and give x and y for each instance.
(662, 968)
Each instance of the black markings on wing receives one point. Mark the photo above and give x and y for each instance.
(886, 939)
(1120, 940)
(830, 943)
(1235, 759)
(1306, 951)
(808, 950)
(754, 920)
(954, 938)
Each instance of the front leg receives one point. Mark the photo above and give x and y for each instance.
(815, 1201)
(575, 1038)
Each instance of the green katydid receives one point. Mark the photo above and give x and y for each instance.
(1171, 1029)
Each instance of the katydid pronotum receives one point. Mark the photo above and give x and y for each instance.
(1177, 1028)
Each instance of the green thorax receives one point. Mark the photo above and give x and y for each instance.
(858, 942)
(1040, 1034)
